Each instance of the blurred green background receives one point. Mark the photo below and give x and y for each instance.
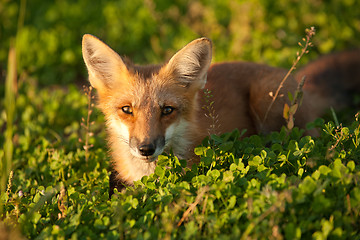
(48, 33)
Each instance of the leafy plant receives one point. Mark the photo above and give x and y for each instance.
(280, 186)
(283, 185)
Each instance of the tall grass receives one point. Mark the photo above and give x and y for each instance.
(10, 92)
(10, 106)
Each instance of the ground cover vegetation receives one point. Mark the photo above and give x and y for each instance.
(54, 158)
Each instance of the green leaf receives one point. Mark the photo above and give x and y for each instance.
(210, 153)
(292, 231)
(150, 185)
(351, 166)
(99, 224)
(293, 109)
(200, 151)
(345, 132)
(134, 203)
(261, 168)
(227, 146)
(35, 217)
(337, 169)
(215, 174)
(256, 161)
(190, 230)
(290, 96)
(159, 171)
(277, 147)
(321, 204)
(300, 172)
(231, 202)
(217, 139)
(293, 145)
(327, 227)
(324, 170)
(233, 167)
(316, 175)
(308, 185)
(355, 196)
(263, 154)
(228, 176)
(207, 160)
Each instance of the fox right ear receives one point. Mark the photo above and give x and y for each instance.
(190, 65)
(103, 63)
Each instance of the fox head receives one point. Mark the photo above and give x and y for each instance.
(148, 109)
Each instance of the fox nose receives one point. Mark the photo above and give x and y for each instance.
(147, 150)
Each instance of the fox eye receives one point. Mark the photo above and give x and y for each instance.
(127, 110)
(167, 110)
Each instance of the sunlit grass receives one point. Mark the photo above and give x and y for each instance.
(10, 93)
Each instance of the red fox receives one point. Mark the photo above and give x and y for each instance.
(155, 108)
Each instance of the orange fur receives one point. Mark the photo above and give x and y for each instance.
(151, 109)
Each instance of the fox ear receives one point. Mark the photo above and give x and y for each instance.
(189, 66)
(103, 63)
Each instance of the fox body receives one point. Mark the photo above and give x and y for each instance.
(155, 108)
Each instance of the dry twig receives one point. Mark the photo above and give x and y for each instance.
(198, 198)
(309, 34)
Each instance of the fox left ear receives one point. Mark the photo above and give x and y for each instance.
(104, 64)
(189, 66)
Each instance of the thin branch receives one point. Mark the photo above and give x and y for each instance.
(309, 34)
(194, 204)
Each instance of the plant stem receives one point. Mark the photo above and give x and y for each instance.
(309, 34)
